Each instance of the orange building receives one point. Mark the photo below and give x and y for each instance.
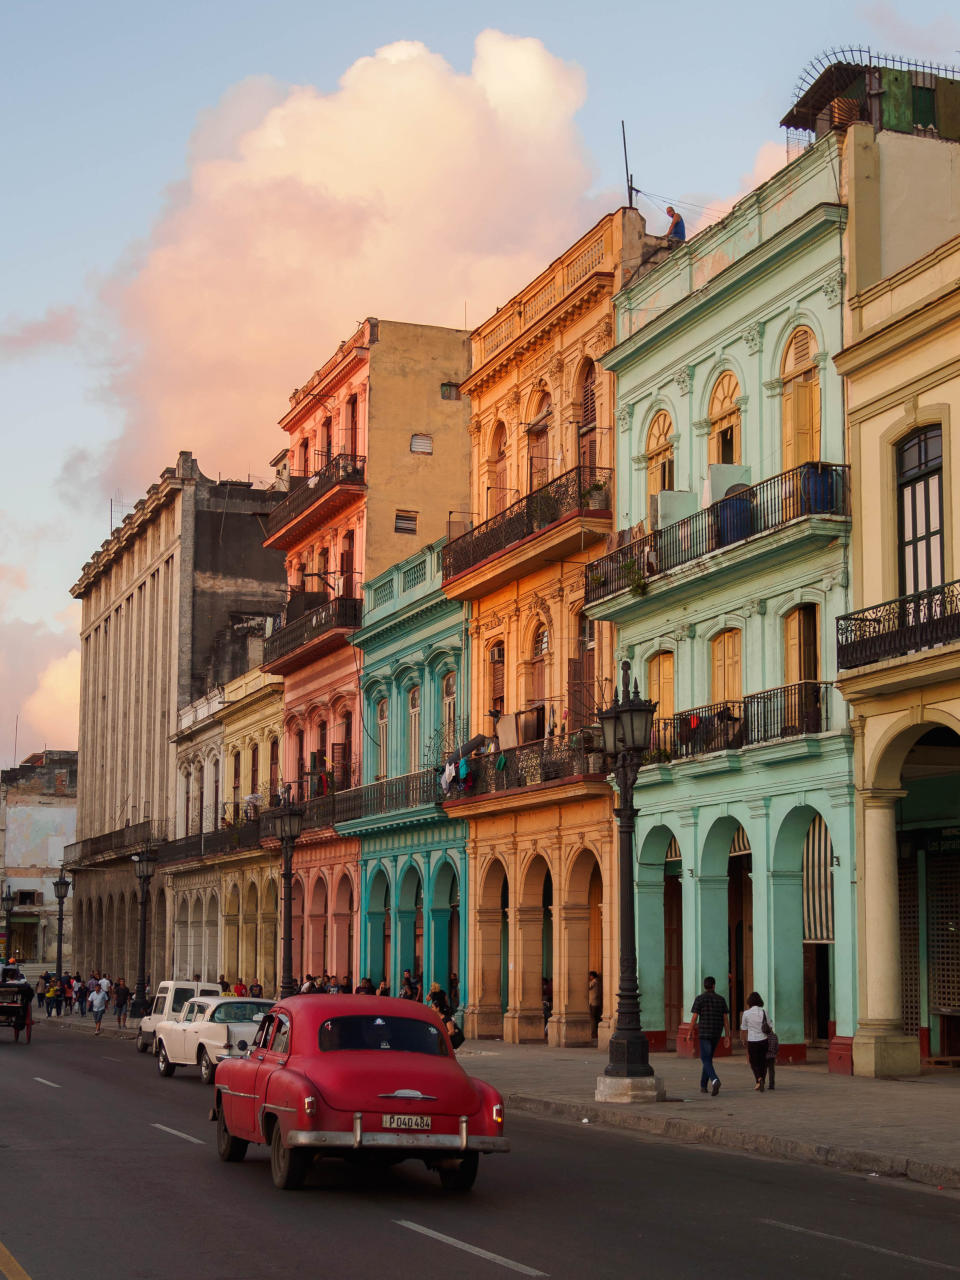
(542, 850)
(372, 435)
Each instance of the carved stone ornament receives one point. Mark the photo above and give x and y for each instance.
(753, 336)
(832, 289)
(540, 605)
(624, 415)
(475, 425)
(602, 337)
(556, 366)
(513, 397)
(683, 378)
(494, 620)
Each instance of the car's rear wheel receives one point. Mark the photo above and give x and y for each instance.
(461, 1176)
(142, 1045)
(288, 1165)
(208, 1069)
(164, 1065)
(229, 1148)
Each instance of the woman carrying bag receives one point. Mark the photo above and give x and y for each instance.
(754, 1030)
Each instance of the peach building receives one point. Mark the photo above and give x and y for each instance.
(376, 463)
(542, 853)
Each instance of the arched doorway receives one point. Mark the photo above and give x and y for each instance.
(110, 937)
(409, 944)
(342, 958)
(195, 957)
(120, 968)
(297, 951)
(181, 940)
(533, 979)
(492, 950)
(580, 922)
(133, 939)
(317, 952)
(211, 940)
(248, 934)
(157, 968)
(739, 923)
(659, 899)
(231, 936)
(444, 927)
(673, 1010)
(378, 930)
(267, 970)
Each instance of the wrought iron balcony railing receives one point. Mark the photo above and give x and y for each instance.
(245, 835)
(788, 712)
(338, 613)
(389, 796)
(344, 468)
(816, 488)
(123, 838)
(898, 627)
(580, 489)
(547, 760)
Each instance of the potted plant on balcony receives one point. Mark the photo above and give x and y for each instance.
(544, 508)
(594, 496)
(634, 578)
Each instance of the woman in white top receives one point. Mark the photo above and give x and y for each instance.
(754, 1029)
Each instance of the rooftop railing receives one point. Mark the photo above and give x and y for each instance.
(898, 627)
(344, 468)
(582, 488)
(816, 488)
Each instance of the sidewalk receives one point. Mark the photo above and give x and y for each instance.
(895, 1128)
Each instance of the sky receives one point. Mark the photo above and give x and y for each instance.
(203, 198)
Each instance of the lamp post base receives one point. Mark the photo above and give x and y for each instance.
(630, 1089)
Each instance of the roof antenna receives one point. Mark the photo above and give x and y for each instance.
(631, 189)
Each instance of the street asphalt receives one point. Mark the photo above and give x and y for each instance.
(110, 1173)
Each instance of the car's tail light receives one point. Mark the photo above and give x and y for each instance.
(310, 1106)
(498, 1114)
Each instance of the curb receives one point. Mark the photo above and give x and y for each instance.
(847, 1159)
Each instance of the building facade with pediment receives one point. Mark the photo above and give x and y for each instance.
(542, 498)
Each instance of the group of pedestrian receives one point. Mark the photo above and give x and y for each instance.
(239, 988)
(711, 1016)
(68, 993)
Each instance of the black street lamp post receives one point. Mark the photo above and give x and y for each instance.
(144, 864)
(626, 726)
(8, 901)
(289, 820)
(61, 887)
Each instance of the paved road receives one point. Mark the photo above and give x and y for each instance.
(126, 1164)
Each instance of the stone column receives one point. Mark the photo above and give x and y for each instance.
(486, 1018)
(570, 1023)
(650, 952)
(784, 975)
(437, 961)
(705, 949)
(524, 1018)
(880, 1047)
(373, 951)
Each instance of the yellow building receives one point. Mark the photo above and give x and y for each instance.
(899, 659)
(542, 853)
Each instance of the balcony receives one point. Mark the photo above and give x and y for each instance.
(551, 522)
(392, 795)
(530, 765)
(318, 632)
(899, 627)
(791, 711)
(815, 489)
(124, 840)
(314, 499)
(246, 835)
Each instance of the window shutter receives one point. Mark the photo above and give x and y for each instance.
(803, 421)
(589, 685)
(665, 709)
(734, 681)
(789, 428)
(713, 447)
(808, 643)
(791, 647)
(575, 709)
(717, 678)
(497, 678)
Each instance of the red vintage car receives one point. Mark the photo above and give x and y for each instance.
(361, 1077)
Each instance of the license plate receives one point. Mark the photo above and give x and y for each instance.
(406, 1122)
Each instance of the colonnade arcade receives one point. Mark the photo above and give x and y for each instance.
(534, 941)
(106, 934)
(412, 920)
(323, 924)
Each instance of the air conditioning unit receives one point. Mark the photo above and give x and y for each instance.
(497, 653)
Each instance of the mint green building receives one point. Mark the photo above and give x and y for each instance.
(413, 868)
(725, 583)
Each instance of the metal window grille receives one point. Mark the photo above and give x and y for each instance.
(382, 593)
(420, 443)
(405, 522)
(414, 575)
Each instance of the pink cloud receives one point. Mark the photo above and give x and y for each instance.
(938, 39)
(410, 191)
(35, 684)
(58, 327)
(770, 157)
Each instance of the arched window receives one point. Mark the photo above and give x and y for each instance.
(254, 768)
(498, 495)
(800, 400)
(724, 443)
(274, 770)
(541, 647)
(538, 442)
(660, 683)
(382, 730)
(581, 676)
(920, 502)
(236, 786)
(449, 711)
(659, 455)
(413, 729)
(587, 450)
(187, 797)
(801, 649)
(727, 682)
(216, 795)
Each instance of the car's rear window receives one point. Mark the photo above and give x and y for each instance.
(240, 1011)
(374, 1031)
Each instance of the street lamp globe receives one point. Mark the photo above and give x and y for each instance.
(144, 864)
(61, 886)
(8, 899)
(290, 818)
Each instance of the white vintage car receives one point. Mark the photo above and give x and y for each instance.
(206, 1031)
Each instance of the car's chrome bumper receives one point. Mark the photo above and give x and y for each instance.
(406, 1140)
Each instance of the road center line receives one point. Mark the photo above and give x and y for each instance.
(471, 1248)
(48, 1083)
(178, 1134)
(10, 1268)
(860, 1244)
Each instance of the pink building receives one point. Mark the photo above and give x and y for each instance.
(377, 464)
